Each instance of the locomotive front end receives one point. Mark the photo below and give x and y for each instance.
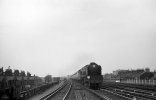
(94, 76)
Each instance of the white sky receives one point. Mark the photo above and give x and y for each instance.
(58, 37)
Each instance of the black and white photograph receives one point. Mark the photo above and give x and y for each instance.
(77, 49)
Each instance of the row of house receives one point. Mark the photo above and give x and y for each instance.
(138, 74)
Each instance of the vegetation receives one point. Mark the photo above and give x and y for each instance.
(48, 78)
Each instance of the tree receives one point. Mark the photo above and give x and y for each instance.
(28, 74)
(48, 78)
(16, 72)
(23, 73)
(1, 71)
(8, 72)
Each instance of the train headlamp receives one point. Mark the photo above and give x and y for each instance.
(88, 77)
(93, 66)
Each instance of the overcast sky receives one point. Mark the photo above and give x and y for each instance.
(58, 37)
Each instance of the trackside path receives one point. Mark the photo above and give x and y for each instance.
(38, 96)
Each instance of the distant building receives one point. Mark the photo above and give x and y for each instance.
(141, 74)
(116, 72)
(147, 70)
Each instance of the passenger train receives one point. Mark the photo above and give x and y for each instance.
(89, 75)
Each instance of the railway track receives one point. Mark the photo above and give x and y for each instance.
(60, 93)
(98, 94)
(74, 91)
(146, 92)
(129, 94)
(110, 93)
(82, 93)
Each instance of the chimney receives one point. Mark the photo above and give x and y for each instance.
(147, 70)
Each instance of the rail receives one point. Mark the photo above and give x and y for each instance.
(66, 95)
(103, 97)
(129, 94)
(50, 95)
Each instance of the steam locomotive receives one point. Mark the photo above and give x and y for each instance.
(90, 76)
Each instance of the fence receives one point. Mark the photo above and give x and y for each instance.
(137, 81)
